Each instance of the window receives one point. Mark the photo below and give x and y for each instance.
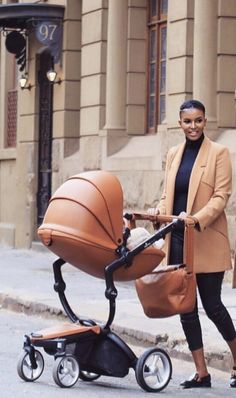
(11, 118)
(11, 122)
(157, 36)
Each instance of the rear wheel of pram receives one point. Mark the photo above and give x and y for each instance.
(153, 370)
(25, 369)
(88, 376)
(66, 371)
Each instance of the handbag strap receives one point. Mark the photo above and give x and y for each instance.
(188, 234)
(188, 247)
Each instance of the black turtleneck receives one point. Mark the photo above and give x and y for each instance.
(183, 175)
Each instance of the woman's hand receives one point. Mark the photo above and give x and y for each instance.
(183, 215)
(153, 211)
(189, 219)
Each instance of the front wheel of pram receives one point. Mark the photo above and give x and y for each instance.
(66, 371)
(25, 369)
(88, 376)
(153, 370)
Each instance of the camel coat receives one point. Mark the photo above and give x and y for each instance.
(209, 190)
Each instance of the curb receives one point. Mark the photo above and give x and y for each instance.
(176, 348)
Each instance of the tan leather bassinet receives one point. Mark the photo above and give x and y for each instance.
(83, 225)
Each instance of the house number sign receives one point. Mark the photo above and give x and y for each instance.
(49, 33)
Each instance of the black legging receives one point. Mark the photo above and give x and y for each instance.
(209, 287)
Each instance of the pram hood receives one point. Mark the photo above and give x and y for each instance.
(83, 225)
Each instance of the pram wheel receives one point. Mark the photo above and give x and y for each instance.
(88, 376)
(25, 369)
(66, 371)
(153, 370)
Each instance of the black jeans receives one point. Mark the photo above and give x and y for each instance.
(209, 287)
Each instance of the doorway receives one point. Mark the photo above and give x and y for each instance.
(45, 135)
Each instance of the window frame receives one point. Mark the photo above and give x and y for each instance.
(155, 23)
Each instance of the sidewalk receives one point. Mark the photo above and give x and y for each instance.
(26, 284)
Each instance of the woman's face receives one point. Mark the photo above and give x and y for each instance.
(192, 121)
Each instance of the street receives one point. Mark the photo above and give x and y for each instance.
(13, 326)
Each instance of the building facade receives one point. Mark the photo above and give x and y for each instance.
(123, 69)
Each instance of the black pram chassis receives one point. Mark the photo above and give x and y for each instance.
(86, 350)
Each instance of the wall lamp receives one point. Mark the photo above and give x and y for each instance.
(51, 75)
(23, 83)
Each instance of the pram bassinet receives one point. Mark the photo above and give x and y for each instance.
(83, 225)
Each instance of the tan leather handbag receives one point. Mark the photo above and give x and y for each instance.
(170, 290)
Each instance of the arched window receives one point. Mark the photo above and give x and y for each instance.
(157, 36)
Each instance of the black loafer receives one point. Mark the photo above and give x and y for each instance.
(197, 382)
(233, 379)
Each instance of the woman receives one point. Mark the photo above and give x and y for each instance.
(198, 183)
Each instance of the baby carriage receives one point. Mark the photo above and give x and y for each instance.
(84, 226)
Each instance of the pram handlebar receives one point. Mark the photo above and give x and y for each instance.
(158, 218)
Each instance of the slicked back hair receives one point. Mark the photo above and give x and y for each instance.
(192, 104)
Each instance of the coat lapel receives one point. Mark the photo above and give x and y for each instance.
(174, 167)
(197, 172)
